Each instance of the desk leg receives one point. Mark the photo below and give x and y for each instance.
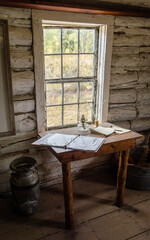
(68, 195)
(121, 177)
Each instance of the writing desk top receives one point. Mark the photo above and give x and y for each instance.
(114, 143)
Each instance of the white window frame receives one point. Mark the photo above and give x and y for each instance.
(106, 26)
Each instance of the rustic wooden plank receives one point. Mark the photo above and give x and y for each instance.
(129, 62)
(143, 95)
(20, 36)
(68, 195)
(129, 40)
(121, 177)
(122, 96)
(19, 146)
(144, 76)
(143, 110)
(25, 122)
(137, 31)
(121, 50)
(129, 77)
(123, 124)
(21, 60)
(14, 13)
(140, 124)
(131, 85)
(124, 21)
(23, 83)
(20, 23)
(24, 106)
(121, 113)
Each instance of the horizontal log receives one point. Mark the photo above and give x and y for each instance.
(129, 85)
(24, 106)
(144, 61)
(15, 13)
(140, 124)
(20, 23)
(17, 147)
(144, 76)
(130, 62)
(122, 96)
(123, 124)
(144, 49)
(138, 31)
(25, 122)
(121, 50)
(131, 40)
(143, 110)
(129, 21)
(121, 113)
(23, 83)
(23, 97)
(21, 60)
(4, 141)
(143, 95)
(117, 79)
(20, 36)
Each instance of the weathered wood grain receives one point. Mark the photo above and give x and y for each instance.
(20, 36)
(25, 122)
(14, 13)
(20, 23)
(140, 124)
(122, 96)
(143, 95)
(21, 60)
(143, 110)
(121, 50)
(144, 76)
(24, 106)
(124, 21)
(129, 62)
(23, 83)
(129, 77)
(129, 40)
(123, 113)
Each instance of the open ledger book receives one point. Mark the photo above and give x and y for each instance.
(71, 142)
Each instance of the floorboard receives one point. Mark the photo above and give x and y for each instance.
(96, 216)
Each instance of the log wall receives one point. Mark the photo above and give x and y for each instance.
(129, 92)
(130, 76)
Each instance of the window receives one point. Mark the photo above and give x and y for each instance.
(7, 126)
(70, 56)
(96, 81)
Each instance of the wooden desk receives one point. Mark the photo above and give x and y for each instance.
(116, 143)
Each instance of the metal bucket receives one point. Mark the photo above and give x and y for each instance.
(138, 177)
(25, 185)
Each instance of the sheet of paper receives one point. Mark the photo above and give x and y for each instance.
(55, 140)
(86, 143)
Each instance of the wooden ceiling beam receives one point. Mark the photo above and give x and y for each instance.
(115, 9)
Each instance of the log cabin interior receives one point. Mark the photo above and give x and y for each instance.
(60, 60)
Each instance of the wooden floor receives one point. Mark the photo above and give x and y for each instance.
(96, 216)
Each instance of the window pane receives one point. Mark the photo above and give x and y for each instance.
(86, 109)
(52, 41)
(70, 40)
(86, 64)
(70, 93)
(86, 91)
(87, 40)
(53, 116)
(70, 114)
(53, 94)
(52, 67)
(70, 66)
